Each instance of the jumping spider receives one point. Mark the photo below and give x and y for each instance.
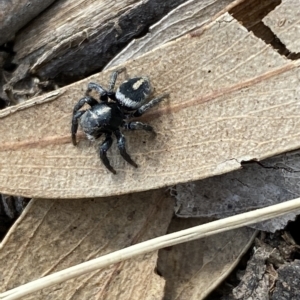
(106, 117)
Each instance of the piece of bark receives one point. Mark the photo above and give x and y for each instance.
(287, 285)
(284, 22)
(15, 14)
(257, 185)
(236, 102)
(255, 282)
(94, 32)
(53, 235)
(193, 269)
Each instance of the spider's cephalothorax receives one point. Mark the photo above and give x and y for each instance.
(107, 117)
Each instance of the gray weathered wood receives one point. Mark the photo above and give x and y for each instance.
(15, 14)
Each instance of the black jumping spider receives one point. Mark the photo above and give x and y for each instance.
(106, 117)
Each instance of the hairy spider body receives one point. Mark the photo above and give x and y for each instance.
(107, 117)
(101, 118)
(133, 93)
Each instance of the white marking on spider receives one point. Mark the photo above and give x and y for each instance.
(127, 101)
(90, 137)
(137, 84)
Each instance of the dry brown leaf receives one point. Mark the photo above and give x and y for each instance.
(152, 245)
(232, 98)
(284, 22)
(192, 270)
(54, 235)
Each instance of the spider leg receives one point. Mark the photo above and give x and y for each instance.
(113, 79)
(138, 126)
(74, 126)
(121, 145)
(86, 100)
(78, 113)
(149, 105)
(103, 149)
(99, 89)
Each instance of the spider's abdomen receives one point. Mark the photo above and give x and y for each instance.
(134, 92)
(101, 118)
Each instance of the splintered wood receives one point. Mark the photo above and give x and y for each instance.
(232, 98)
